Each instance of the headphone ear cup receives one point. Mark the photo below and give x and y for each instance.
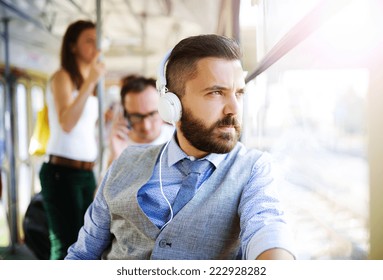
(169, 108)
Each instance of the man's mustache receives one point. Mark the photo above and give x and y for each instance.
(229, 121)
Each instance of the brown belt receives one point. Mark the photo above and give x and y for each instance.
(77, 164)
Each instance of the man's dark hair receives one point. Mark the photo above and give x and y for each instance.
(135, 84)
(182, 63)
(67, 57)
(125, 80)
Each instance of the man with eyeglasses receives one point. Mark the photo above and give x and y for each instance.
(140, 122)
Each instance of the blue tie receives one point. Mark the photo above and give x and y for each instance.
(194, 170)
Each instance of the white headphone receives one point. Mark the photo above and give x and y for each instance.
(169, 106)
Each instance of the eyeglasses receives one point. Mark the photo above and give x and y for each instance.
(138, 118)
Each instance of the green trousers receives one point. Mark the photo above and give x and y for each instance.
(67, 193)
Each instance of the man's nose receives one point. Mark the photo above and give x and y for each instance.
(146, 124)
(232, 105)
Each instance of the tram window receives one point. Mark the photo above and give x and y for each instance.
(2, 109)
(280, 16)
(4, 235)
(24, 171)
(37, 97)
(310, 111)
(37, 103)
(22, 121)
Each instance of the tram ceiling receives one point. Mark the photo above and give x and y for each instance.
(135, 33)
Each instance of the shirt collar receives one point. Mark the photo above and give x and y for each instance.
(175, 154)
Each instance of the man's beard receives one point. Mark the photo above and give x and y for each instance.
(210, 139)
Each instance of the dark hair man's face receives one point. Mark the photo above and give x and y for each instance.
(212, 106)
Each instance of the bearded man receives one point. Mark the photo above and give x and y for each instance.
(202, 195)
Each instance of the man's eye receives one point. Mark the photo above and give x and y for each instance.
(216, 93)
(240, 93)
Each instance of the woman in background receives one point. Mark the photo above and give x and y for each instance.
(67, 179)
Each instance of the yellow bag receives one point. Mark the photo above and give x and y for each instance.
(41, 132)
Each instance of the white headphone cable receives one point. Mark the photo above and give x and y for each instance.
(161, 188)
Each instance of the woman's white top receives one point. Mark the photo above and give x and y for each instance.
(80, 143)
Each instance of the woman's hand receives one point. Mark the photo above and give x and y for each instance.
(97, 70)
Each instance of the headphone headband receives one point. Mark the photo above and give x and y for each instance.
(161, 74)
(169, 106)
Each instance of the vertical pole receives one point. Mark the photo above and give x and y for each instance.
(235, 8)
(100, 94)
(143, 23)
(375, 156)
(9, 140)
(235, 34)
(375, 138)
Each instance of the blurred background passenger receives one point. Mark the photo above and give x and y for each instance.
(67, 179)
(138, 121)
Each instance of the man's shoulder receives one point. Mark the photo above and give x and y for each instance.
(133, 157)
(250, 156)
(243, 151)
(140, 149)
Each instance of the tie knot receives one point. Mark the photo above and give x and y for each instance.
(196, 166)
